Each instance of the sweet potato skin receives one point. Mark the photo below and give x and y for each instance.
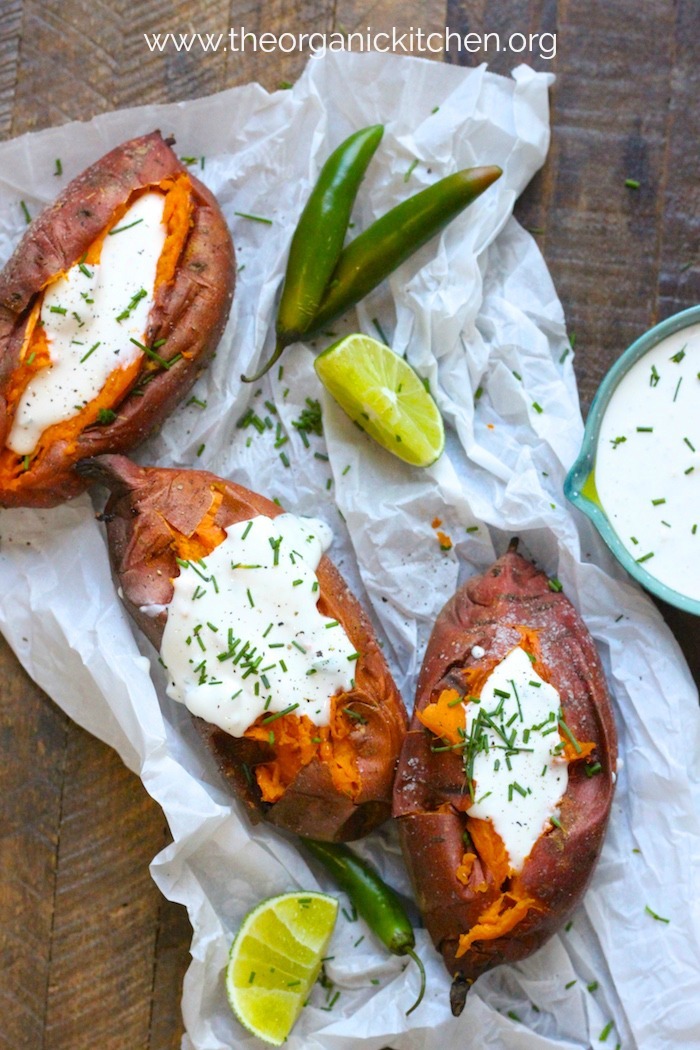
(429, 792)
(143, 504)
(189, 313)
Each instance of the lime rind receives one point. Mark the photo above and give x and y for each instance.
(383, 395)
(275, 959)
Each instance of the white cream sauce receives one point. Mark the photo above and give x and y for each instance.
(89, 316)
(647, 465)
(518, 787)
(244, 636)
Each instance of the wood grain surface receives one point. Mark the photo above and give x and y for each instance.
(90, 953)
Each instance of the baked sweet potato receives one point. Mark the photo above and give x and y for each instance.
(482, 905)
(330, 782)
(101, 335)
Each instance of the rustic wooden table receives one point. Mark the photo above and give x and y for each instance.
(90, 954)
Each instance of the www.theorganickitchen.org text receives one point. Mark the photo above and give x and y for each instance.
(414, 40)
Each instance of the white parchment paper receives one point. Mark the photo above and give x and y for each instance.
(475, 312)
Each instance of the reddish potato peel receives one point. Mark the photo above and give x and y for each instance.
(431, 798)
(186, 319)
(150, 512)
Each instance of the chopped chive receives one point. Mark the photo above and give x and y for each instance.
(250, 598)
(556, 822)
(678, 386)
(90, 351)
(149, 352)
(25, 212)
(657, 502)
(62, 310)
(677, 358)
(375, 321)
(59, 167)
(247, 529)
(659, 918)
(689, 444)
(632, 184)
(538, 408)
(120, 229)
(606, 1032)
(332, 1003)
(554, 584)
(572, 739)
(645, 430)
(592, 987)
(279, 714)
(296, 645)
(570, 984)
(254, 218)
(645, 557)
(411, 168)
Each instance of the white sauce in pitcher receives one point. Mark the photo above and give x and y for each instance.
(647, 466)
(518, 787)
(89, 316)
(244, 636)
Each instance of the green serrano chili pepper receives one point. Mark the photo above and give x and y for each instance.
(389, 241)
(319, 236)
(376, 902)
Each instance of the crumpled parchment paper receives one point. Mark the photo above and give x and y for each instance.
(476, 313)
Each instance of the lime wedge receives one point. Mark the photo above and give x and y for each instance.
(275, 959)
(384, 396)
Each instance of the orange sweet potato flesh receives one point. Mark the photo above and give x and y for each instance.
(193, 293)
(334, 783)
(478, 912)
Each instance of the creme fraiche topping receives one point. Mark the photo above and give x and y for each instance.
(514, 754)
(647, 461)
(94, 318)
(244, 638)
